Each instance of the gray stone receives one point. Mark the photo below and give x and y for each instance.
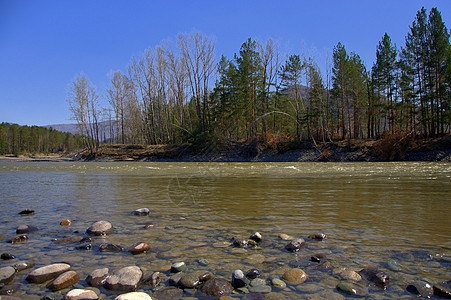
(46, 273)
(194, 279)
(260, 289)
(257, 237)
(217, 287)
(347, 274)
(257, 281)
(125, 279)
(318, 236)
(153, 279)
(6, 274)
(100, 228)
(203, 262)
(25, 229)
(9, 289)
(64, 280)
(98, 277)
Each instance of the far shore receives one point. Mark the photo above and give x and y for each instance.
(357, 151)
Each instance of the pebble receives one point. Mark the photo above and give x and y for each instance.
(260, 289)
(168, 293)
(294, 276)
(48, 272)
(347, 274)
(379, 278)
(27, 212)
(257, 237)
(78, 294)
(18, 239)
(253, 273)
(203, 262)
(111, 248)
(153, 279)
(100, 228)
(238, 279)
(69, 240)
(221, 244)
(65, 222)
(318, 236)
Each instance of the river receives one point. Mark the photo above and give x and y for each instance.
(373, 214)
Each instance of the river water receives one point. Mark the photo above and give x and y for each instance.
(374, 214)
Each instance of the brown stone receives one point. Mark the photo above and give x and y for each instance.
(65, 280)
(65, 222)
(294, 276)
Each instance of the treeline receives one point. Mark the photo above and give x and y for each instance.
(167, 95)
(15, 139)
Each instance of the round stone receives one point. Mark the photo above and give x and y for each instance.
(294, 276)
(217, 287)
(134, 296)
(178, 267)
(278, 284)
(65, 222)
(141, 212)
(77, 294)
(139, 248)
(100, 228)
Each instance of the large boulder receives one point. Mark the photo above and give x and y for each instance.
(100, 228)
(217, 287)
(46, 273)
(65, 280)
(125, 279)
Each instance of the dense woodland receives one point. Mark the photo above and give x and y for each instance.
(15, 139)
(179, 93)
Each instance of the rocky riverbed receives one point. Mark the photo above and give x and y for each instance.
(78, 260)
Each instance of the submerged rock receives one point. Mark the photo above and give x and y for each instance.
(100, 228)
(443, 289)
(22, 265)
(295, 245)
(378, 277)
(64, 280)
(352, 288)
(168, 293)
(286, 237)
(110, 248)
(18, 239)
(195, 279)
(217, 287)
(153, 279)
(257, 237)
(46, 273)
(9, 289)
(253, 273)
(26, 229)
(178, 267)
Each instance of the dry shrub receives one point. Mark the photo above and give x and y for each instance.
(393, 146)
(276, 141)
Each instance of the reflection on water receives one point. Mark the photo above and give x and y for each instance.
(370, 207)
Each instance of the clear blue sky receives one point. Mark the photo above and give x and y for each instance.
(45, 44)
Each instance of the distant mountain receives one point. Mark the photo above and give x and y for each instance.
(104, 129)
(71, 128)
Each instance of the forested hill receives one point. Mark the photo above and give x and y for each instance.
(16, 139)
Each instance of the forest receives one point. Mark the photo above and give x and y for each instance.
(15, 139)
(179, 93)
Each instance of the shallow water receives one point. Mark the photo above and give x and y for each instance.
(371, 212)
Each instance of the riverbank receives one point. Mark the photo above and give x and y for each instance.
(256, 151)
